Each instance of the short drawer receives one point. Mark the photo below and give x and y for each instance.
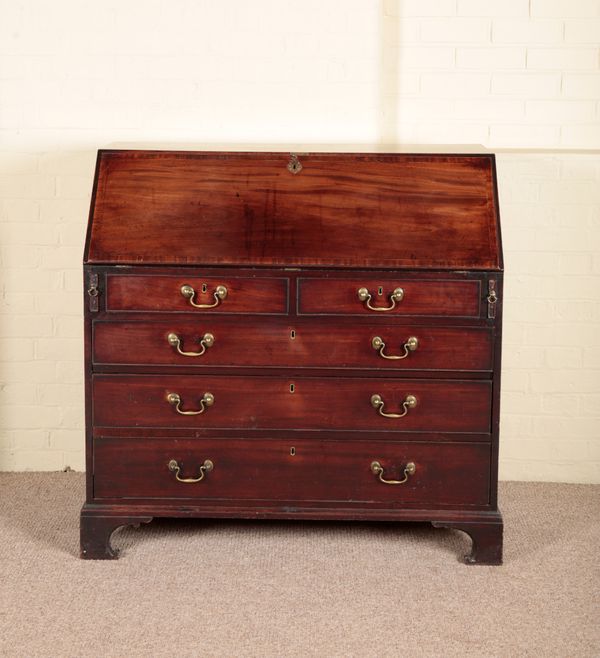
(349, 404)
(225, 341)
(293, 470)
(196, 294)
(378, 297)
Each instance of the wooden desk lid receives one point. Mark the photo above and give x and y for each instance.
(395, 211)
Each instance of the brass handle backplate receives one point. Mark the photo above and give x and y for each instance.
(377, 469)
(208, 340)
(410, 346)
(208, 399)
(410, 402)
(204, 469)
(220, 293)
(365, 296)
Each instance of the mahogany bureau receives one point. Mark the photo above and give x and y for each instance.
(294, 337)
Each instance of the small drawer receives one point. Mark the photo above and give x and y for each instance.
(308, 403)
(298, 470)
(380, 297)
(196, 294)
(224, 341)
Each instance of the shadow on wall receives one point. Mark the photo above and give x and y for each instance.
(388, 73)
(44, 206)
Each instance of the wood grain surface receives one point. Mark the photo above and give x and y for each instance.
(163, 293)
(317, 471)
(355, 210)
(250, 342)
(299, 403)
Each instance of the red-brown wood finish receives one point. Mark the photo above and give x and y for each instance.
(299, 403)
(339, 296)
(343, 210)
(292, 432)
(289, 344)
(294, 471)
(163, 293)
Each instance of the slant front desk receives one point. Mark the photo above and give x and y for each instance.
(295, 337)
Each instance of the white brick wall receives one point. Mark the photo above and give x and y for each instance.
(514, 75)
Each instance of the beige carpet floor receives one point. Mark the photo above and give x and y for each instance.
(235, 588)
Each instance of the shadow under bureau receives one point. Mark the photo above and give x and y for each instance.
(294, 337)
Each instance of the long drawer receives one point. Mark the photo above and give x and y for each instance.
(224, 341)
(293, 470)
(197, 294)
(361, 296)
(203, 401)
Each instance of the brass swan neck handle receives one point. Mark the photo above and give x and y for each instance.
(174, 467)
(208, 340)
(365, 296)
(410, 345)
(377, 469)
(219, 294)
(410, 402)
(207, 400)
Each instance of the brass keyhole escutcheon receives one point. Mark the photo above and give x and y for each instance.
(292, 334)
(292, 388)
(294, 165)
(293, 451)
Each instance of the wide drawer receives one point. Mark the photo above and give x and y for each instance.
(197, 294)
(377, 297)
(301, 403)
(214, 342)
(292, 470)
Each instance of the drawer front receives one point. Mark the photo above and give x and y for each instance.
(293, 470)
(279, 343)
(300, 403)
(225, 294)
(378, 297)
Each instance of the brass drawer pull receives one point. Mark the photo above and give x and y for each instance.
(220, 293)
(410, 402)
(377, 470)
(365, 296)
(208, 340)
(204, 469)
(410, 346)
(208, 399)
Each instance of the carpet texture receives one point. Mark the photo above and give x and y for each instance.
(240, 588)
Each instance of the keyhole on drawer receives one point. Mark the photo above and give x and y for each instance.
(292, 388)
(292, 334)
(380, 290)
(204, 287)
(292, 451)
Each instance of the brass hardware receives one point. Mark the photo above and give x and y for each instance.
(293, 451)
(365, 296)
(294, 165)
(220, 293)
(377, 469)
(208, 340)
(204, 469)
(292, 388)
(292, 334)
(410, 346)
(410, 402)
(208, 399)
(380, 290)
(93, 291)
(492, 298)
